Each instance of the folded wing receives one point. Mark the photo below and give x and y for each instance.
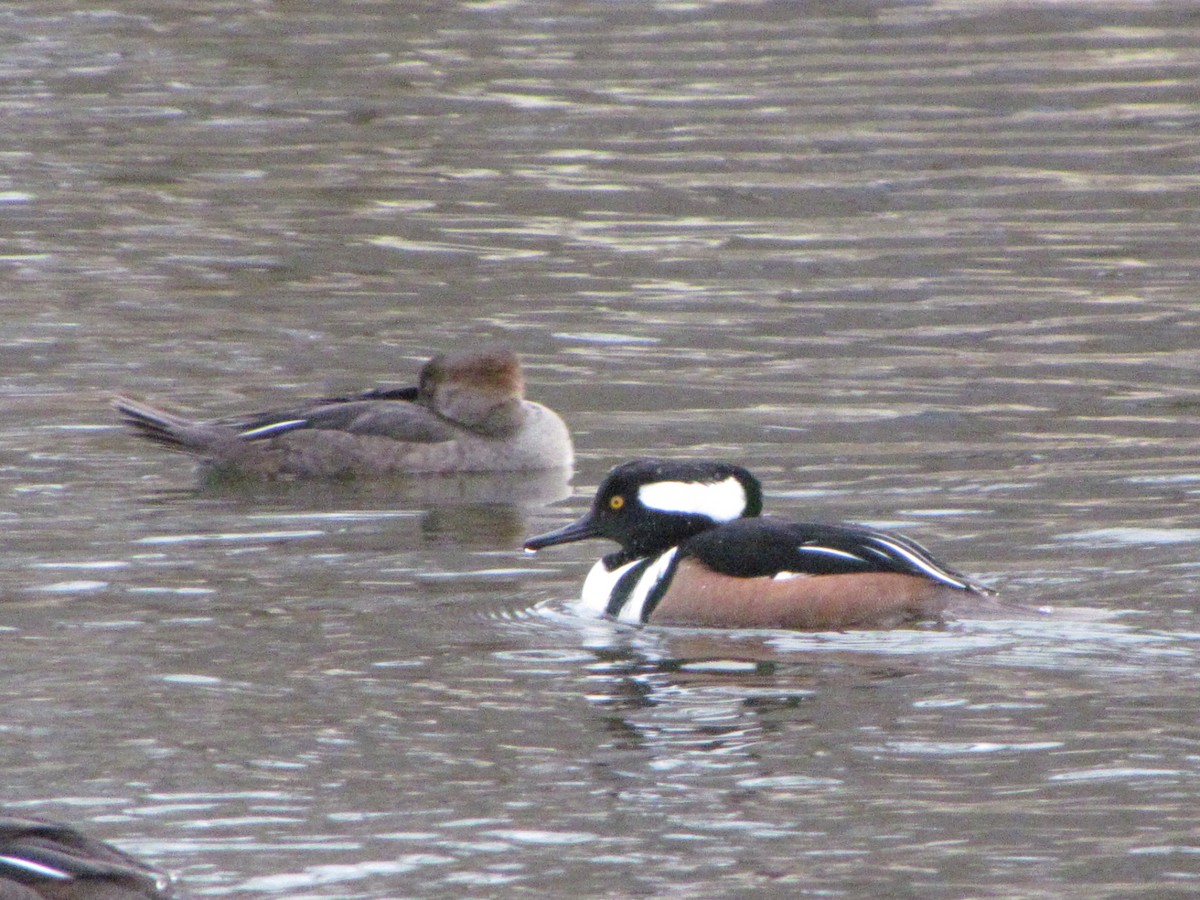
(379, 415)
(751, 548)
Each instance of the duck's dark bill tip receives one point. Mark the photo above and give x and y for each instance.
(576, 531)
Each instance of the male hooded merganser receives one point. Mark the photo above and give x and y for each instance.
(467, 414)
(42, 860)
(693, 552)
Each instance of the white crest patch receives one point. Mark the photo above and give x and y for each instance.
(721, 501)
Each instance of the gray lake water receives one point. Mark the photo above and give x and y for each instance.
(927, 265)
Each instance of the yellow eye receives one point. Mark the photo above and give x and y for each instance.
(616, 502)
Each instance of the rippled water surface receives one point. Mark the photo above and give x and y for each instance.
(924, 265)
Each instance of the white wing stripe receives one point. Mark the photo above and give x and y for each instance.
(830, 551)
(18, 862)
(919, 562)
(273, 428)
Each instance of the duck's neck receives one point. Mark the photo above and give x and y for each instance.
(485, 413)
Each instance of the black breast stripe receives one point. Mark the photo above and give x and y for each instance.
(629, 582)
(660, 588)
(624, 587)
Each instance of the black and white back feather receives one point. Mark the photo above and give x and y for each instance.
(45, 859)
(381, 412)
(749, 548)
(384, 412)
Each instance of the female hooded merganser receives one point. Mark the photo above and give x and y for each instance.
(42, 860)
(693, 552)
(467, 414)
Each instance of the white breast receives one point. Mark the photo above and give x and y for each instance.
(598, 587)
(600, 583)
